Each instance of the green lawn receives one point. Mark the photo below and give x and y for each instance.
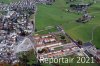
(97, 37)
(51, 15)
(55, 15)
(7, 1)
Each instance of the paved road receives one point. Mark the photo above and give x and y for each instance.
(62, 30)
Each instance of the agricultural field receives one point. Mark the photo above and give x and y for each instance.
(52, 15)
(49, 16)
(7, 1)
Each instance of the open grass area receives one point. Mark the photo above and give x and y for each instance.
(52, 15)
(7, 1)
(97, 37)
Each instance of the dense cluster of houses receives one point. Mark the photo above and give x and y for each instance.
(19, 6)
(80, 7)
(24, 5)
(16, 29)
(3, 6)
(49, 46)
(14, 26)
(85, 18)
(46, 41)
(16, 22)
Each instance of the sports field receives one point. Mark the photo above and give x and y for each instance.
(51, 15)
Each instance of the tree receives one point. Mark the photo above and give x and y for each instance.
(79, 42)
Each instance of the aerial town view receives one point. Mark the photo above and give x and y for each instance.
(49, 32)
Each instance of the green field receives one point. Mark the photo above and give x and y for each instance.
(5, 1)
(51, 15)
(8, 1)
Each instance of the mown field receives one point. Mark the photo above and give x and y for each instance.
(52, 15)
(7, 1)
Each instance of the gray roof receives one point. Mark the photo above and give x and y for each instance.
(87, 44)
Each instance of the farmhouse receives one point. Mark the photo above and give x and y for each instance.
(80, 7)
